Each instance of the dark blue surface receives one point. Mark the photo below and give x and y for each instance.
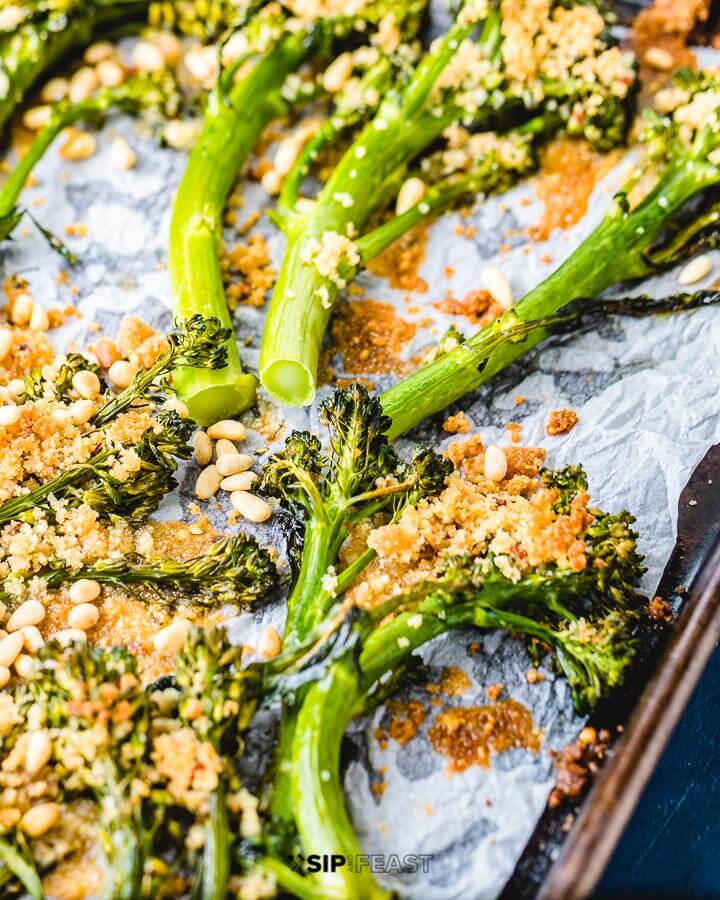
(671, 848)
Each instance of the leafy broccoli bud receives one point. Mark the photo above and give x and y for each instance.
(568, 481)
(60, 386)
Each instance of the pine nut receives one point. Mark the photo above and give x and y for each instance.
(16, 388)
(79, 145)
(10, 647)
(243, 481)
(31, 612)
(286, 155)
(180, 135)
(271, 182)
(169, 640)
(250, 506)
(7, 338)
(496, 283)
(270, 643)
(337, 73)
(84, 590)
(202, 446)
(122, 155)
(84, 616)
(37, 117)
(54, 90)
(40, 819)
(208, 483)
(659, 59)
(9, 415)
(82, 84)
(22, 309)
(24, 666)
(695, 270)
(32, 639)
(169, 45)
(410, 194)
(39, 320)
(230, 429)
(224, 447)
(147, 57)
(232, 463)
(175, 404)
(106, 352)
(201, 63)
(98, 51)
(495, 464)
(4, 676)
(122, 373)
(81, 411)
(11, 16)
(38, 751)
(70, 636)
(87, 384)
(110, 73)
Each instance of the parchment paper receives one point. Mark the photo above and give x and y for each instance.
(646, 393)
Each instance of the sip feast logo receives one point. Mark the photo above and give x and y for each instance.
(377, 863)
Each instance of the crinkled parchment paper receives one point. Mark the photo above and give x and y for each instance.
(646, 393)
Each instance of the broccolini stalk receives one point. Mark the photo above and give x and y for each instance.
(138, 92)
(464, 80)
(586, 618)
(38, 34)
(236, 115)
(639, 236)
(96, 482)
(234, 570)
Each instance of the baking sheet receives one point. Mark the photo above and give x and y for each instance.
(645, 391)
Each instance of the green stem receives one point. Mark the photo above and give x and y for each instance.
(231, 129)
(294, 884)
(614, 252)
(23, 870)
(322, 819)
(125, 862)
(215, 875)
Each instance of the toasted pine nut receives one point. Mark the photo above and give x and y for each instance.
(337, 73)
(36, 117)
(10, 647)
(32, 639)
(181, 135)
(286, 155)
(9, 415)
(208, 483)
(79, 145)
(232, 463)
(106, 352)
(39, 320)
(11, 16)
(97, 52)
(410, 194)
(250, 506)
(147, 57)
(55, 89)
(496, 283)
(70, 636)
(82, 84)
(270, 643)
(110, 73)
(38, 751)
(495, 464)
(24, 665)
(121, 373)
(84, 590)
(81, 411)
(175, 404)
(659, 58)
(243, 481)
(201, 63)
(169, 45)
(202, 446)
(122, 155)
(40, 819)
(224, 447)
(87, 384)
(7, 338)
(22, 308)
(169, 640)
(84, 616)
(695, 270)
(4, 676)
(16, 388)
(31, 612)
(230, 429)
(272, 182)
